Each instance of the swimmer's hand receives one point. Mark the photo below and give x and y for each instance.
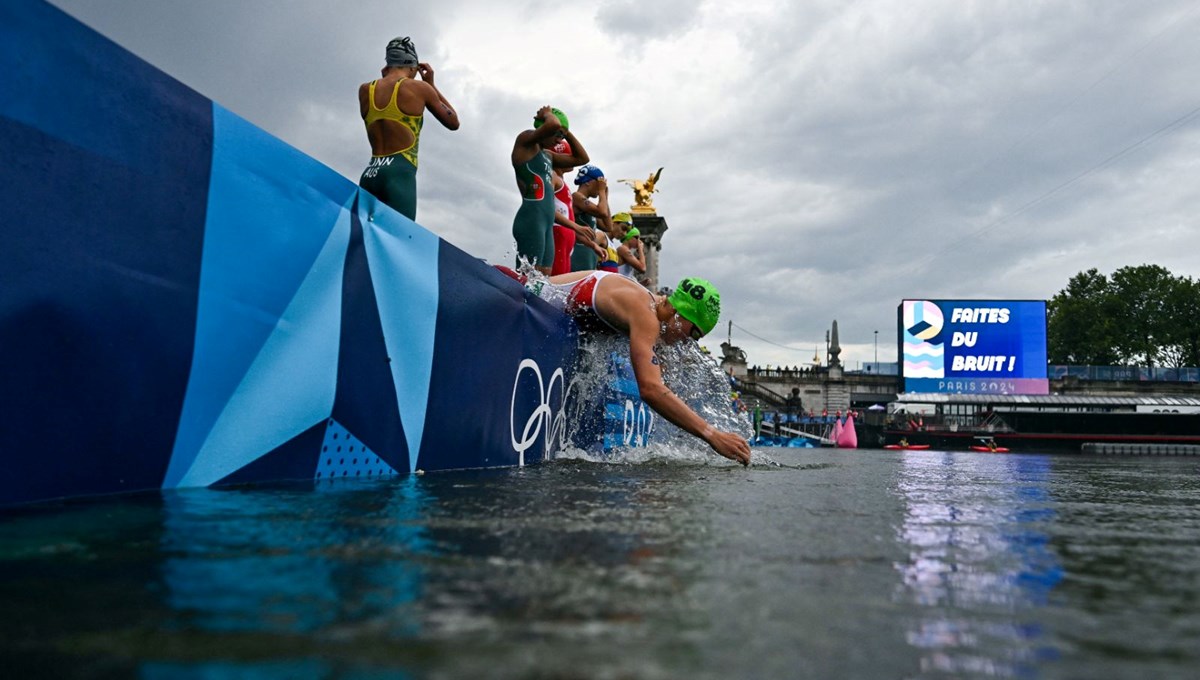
(730, 445)
(426, 72)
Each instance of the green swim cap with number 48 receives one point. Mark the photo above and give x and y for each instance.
(698, 301)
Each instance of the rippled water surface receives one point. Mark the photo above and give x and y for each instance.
(832, 564)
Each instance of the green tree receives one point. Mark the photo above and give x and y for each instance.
(1079, 322)
(1139, 306)
(1183, 311)
(1142, 315)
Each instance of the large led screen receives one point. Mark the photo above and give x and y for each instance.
(973, 346)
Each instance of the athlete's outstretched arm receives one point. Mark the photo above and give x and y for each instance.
(643, 333)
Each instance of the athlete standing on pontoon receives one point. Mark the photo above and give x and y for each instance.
(598, 299)
(393, 109)
(533, 160)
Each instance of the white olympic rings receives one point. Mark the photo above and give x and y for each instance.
(555, 422)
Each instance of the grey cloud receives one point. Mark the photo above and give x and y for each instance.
(264, 61)
(637, 20)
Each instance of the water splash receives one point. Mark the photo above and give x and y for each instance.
(689, 372)
(697, 378)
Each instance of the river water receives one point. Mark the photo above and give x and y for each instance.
(828, 564)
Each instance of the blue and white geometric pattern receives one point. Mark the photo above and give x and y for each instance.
(343, 456)
(217, 308)
(404, 268)
(269, 305)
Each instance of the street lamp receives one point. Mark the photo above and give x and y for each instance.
(876, 350)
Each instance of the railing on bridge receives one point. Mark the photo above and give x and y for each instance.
(1126, 373)
(761, 392)
(1097, 373)
(877, 368)
(790, 372)
(888, 368)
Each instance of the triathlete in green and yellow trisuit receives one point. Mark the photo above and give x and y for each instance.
(393, 178)
(393, 110)
(533, 161)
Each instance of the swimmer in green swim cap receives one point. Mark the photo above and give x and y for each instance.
(698, 301)
(539, 120)
(602, 301)
(533, 160)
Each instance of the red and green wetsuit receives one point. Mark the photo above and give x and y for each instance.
(533, 227)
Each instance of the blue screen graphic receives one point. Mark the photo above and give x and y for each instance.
(973, 346)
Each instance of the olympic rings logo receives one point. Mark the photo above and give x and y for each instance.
(637, 424)
(544, 415)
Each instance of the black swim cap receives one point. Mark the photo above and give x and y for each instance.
(401, 52)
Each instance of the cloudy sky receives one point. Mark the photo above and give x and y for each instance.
(823, 160)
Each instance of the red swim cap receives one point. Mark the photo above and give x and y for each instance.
(561, 147)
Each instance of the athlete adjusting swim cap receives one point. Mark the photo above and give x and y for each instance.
(697, 301)
(632, 233)
(401, 52)
(562, 118)
(587, 173)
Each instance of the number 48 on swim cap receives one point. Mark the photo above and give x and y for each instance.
(698, 301)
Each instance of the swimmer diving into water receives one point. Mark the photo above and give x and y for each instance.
(600, 300)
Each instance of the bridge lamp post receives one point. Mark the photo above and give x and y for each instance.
(876, 349)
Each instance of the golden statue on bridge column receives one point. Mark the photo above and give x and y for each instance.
(642, 189)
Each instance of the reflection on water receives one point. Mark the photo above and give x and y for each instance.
(833, 564)
(248, 561)
(447, 571)
(979, 560)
